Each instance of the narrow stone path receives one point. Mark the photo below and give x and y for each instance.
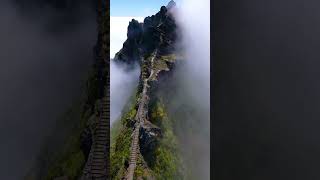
(97, 165)
(139, 119)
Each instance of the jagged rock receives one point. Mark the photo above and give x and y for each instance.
(130, 51)
(144, 38)
(86, 135)
(130, 123)
(147, 23)
(149, 137)
(134, 30)
(163, 10)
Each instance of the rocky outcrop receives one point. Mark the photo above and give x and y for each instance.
(149, 137)
(143, 38)
(86, 142)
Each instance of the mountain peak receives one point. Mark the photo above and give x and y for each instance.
(171, 4)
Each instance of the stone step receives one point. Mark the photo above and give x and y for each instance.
(104, 116)
(99, 145)
(102, 143)
(102, 138)
(104, 126)
(104, 121)
(99, 153)
(102, 131)
(100, 150)
(98, 160)
(101, 134)
(97, 172)
(98, 165)
(100, 127)
(99, 177)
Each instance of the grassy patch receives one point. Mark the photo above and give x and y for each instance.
(166, 157)
(160, 65)
(120, 147)
(62, 154)
(169, 58)
(73, 165)
(69, 160)
(120, 152)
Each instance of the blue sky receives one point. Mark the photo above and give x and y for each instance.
(136, 8)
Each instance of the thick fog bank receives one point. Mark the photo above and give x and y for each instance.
(122, 81)
(190, 101)
(41, 71)
(122, 84)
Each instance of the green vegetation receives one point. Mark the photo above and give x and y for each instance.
(120, 147)
(167, 159)
(169, 58)
(70, 160)
(62, 154)
(160, 65)
(142, 170)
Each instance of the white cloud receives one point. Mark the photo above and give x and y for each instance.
(193, 18)
(122, 82)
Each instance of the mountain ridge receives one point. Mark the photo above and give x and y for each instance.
(146, 146)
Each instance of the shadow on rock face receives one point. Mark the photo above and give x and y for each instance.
(150, 136)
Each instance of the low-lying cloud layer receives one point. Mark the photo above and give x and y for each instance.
(122, 82)
(190, 104)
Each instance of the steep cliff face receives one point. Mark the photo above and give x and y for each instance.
(155, 153)
(157, 31)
